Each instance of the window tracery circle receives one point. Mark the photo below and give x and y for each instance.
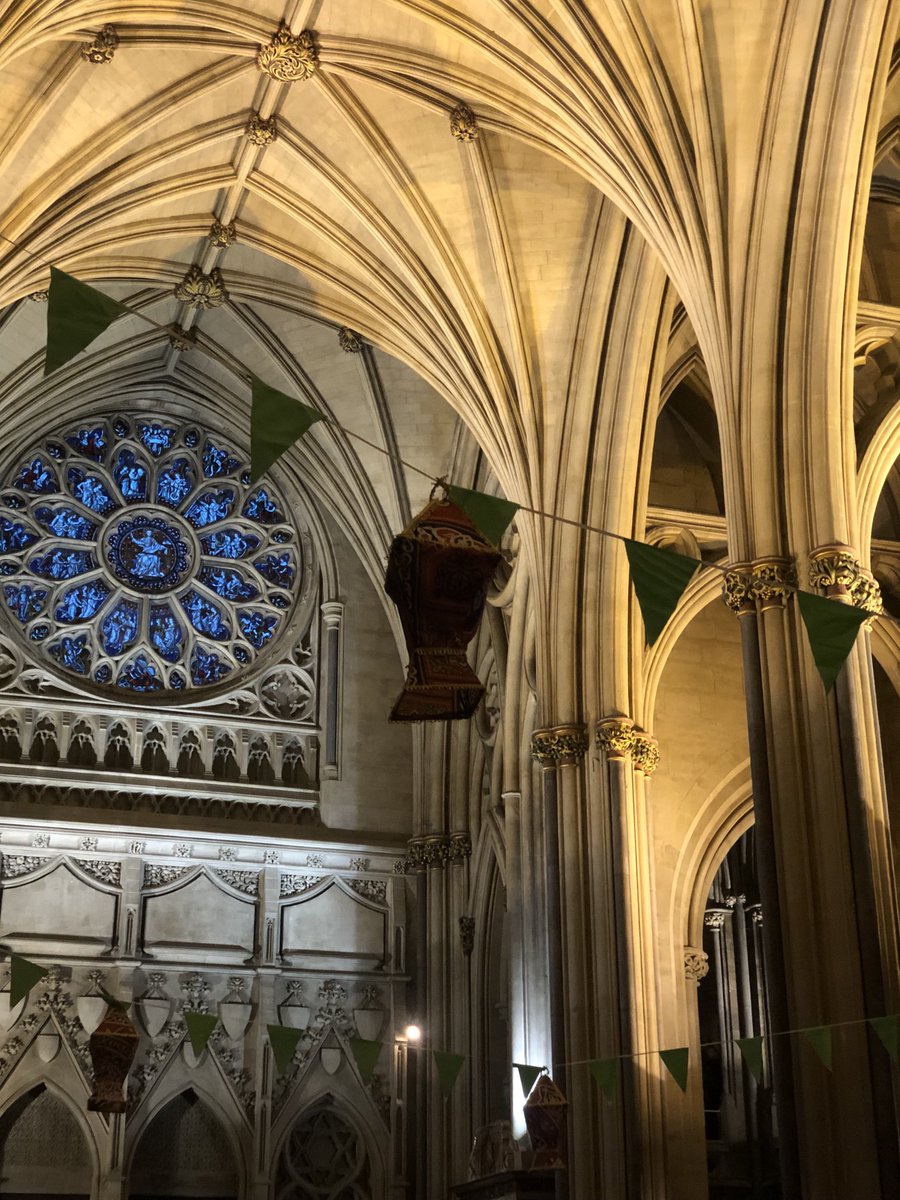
(323, 1159)
(135, 555)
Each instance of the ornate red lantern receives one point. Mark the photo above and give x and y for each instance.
(439, 569)
(113, 1045)
(545, 1118)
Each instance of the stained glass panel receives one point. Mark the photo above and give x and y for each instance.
(229, 584)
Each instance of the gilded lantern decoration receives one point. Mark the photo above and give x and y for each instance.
(113, 1045)
(545, 1118)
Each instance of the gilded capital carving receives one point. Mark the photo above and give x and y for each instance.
(437, 850)
(463, 124)
(261, 131)
(349, 340)
(616, 737)
(289, 57)
(222, 235)
(103, 47)
(772, 580)
(561, 746)
(714, 918)
(203, 291)
(696, 964)
(645, 752)
(833, 570)
(737, 590)
(865, 593)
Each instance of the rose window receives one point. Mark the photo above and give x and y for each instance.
(135, 554)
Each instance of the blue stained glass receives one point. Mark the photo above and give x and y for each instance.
(81, 603)
(278, 600)
(242, 654)
(55, 450)
(229, 543)
(229, 584)
(91, 491)
(174, 483)
(8, 568)
(39, 632)
(103, 674)
(62, 563)
(14, 536)
(166, 633)
(156, 437)
(119, 628)
(210, 506)
(246, 478)
(217, 461)
(207, 668)
(277, 568)
(13, 501)
(257, 627)
(73, 653)
(281, 535)
(176, 680)
(192, 437)
(131, 477)
(205, 616)
(66, 523)
(37, 477)
(140, 675)
(261, 507)
(90, 442)
(24, 600)
(120, 427)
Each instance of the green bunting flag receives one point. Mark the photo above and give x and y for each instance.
(751, 1048)
(676, 1063)
(366, 1054)
(76, 315)
(490, 514)
(23, 975)
(606, 1073)
(283, 1042)
(528, 1077)
(820, 1040)
(276, 422)
(831, 628)
(448, 1067)
(888, 1030)
(199, 1027)
(659, 578)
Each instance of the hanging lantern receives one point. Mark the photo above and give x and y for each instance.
(438, 573)
(113, 1045)
(545, 1119)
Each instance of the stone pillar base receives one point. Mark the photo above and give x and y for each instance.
(509, 1185)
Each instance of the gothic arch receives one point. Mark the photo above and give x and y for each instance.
(343, 1100)
(33, 1081)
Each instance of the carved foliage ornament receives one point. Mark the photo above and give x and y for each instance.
(289, 57)
(616, 737)
(222, 235)
(438, 850)
(103, 47)
(203, 291)
(696, 964)
(768, 581)
(261, 131)
(645, 753)
(463, 124)
(563, 745)
(349, 340)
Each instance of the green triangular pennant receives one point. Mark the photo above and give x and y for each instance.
(528, 1077)
(490, 514)
(366, 1054)
(448, 1067)
(751, 1048)
(283, 1042)
(76, 315)
(606, 1073)
(676, 1063)
(888, 1030)
(199, 1027)
(820, 1040)
(831, 628)
(23, 975)
(276, 422)
(659, 578)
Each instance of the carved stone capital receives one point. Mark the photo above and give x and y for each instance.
(349, 340)
(289, 57)
(616, 737)
(834, 570)
(696, 964)
(463, 124)
(261, 131)
(222, 235)
(865, 593)
(737, 590)
(560, 746)
(437, 850)
(103, 47)
(772, 580)
(714, 918)
(645, 752)
(203, 291)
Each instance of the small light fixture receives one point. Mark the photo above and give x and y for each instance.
(413, 1033)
